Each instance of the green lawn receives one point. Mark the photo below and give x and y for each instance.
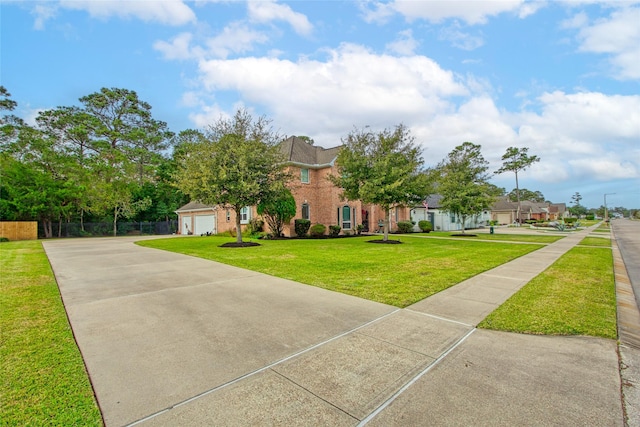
(596, 241)
(506, 237)
(392, 274)
(44, 381)
(575, 296)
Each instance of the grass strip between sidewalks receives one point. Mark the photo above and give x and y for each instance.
(575, 296)
(44, 381)
(596, 241)
(398, 275)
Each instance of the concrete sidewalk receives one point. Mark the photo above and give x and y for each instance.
(175, 340)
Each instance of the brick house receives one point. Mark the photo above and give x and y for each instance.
(317, 199)
(506, 212)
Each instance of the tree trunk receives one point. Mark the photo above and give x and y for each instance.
(46, 226)
(463, 218)
(518, 199)
(387, 213)
(115, 222)
(238, 226)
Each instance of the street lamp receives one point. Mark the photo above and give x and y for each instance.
(606, 213)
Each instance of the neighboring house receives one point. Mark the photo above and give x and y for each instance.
(558, 211)
(317, 199)
(506, 212)
(197, 218)
(442, 220)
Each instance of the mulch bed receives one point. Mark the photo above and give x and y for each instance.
(388, 242)
(239, 245)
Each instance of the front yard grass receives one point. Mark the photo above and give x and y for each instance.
(398, 275)
(530, 238)
(575, 296)
(596, 241)
(44, 381)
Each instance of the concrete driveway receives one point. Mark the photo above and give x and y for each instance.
(170, 339)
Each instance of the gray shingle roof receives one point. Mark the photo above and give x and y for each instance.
(193, 206)
(297, 150)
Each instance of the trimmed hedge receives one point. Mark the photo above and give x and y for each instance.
(425, 226)
(317, 230)
(405, 227)
(302, 227)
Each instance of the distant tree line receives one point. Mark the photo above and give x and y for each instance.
(105, 160)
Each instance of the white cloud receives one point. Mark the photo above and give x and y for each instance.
(470, 11)
(578, 20)
(42, 12)
(169, 12)
(265, 11)
(617, 35)
(460, 39)
(609, 167)
(235, 38)
(179, 48)
(404, 45)
(352, 87)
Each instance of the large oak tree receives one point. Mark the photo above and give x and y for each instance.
(383, 168)
(236, 165)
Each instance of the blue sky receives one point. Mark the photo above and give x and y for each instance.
(562, 78)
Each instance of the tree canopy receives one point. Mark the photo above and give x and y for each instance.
(237, 164)
(383, 168)
(90, 158)
(524, 194)
(278, 208)
(462, 180)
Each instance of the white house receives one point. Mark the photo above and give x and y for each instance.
(443, 220)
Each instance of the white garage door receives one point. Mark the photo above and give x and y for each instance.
(185, 226)
(205, 224)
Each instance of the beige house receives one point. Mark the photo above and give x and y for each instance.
(317, 199)
(506, 212)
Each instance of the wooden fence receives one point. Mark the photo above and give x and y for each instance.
(19, 230)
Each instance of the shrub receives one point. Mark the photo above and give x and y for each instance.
(334, 230)
(302, 226)
(359, 229)
(425, 226)
(570, 220)
(256, 225)
(4, 239)
(405, 227)
(317, 230)
(591, 217)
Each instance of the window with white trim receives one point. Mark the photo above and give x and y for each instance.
(304, 176)
(245, 215)
(305, 211)
(346, 218)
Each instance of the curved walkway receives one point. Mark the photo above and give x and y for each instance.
(170, 339)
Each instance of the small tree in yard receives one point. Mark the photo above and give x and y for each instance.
(382, 168)
(278, 208)
(238, 164)
(462, 182)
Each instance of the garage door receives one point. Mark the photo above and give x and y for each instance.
(185, 225)
(205, 224)
(504, 218)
